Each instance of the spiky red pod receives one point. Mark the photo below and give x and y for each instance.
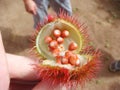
(65, 67)
(50, 18)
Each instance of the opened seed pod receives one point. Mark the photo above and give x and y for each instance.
(80, 64)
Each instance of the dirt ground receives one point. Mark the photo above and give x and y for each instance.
(102, 18)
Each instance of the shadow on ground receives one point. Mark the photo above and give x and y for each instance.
(107, 59)
(14, 43)
(111, 6)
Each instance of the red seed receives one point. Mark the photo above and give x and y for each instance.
(73, 59)
(56, 33)
(72, 46)
(65, 33)
(48, 39)
(50, 18)
(68, 54)
(60, 40)
(64, 60)
(53, 44)
(55, 52)
(61, 47)
(58, 59)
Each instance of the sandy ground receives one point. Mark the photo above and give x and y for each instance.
(102, 18)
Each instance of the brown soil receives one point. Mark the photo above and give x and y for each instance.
(102, 18)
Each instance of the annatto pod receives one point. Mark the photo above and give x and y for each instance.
(51, 68)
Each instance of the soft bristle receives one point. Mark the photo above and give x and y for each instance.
(57, 74)
(87, 72)
(89, 50)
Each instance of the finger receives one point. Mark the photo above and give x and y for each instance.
(32, 11)
(35, 10)
(4, 74)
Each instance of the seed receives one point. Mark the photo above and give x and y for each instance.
(48, 39)
(53, 44)
(72, 46)
(64, 60)
(50, 18)
(68, 54)
(58, 59)
(73, 59)
(56, 33)
(65, 33)
(60, 40)
(61, 47)
(55, 52)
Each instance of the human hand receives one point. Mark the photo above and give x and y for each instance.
(23, 76)
(30, 6)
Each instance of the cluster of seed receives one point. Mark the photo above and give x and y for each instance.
(55, 46)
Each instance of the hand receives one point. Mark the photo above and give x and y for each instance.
(30, 6)
(23, 76)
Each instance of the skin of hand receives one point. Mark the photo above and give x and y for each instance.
(21, 72)
(30, 6)
(21, 67)
(24, 77)
(4, 72)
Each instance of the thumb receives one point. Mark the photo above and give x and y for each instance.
(35, 10)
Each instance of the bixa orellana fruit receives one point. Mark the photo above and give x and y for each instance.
(66, 57)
